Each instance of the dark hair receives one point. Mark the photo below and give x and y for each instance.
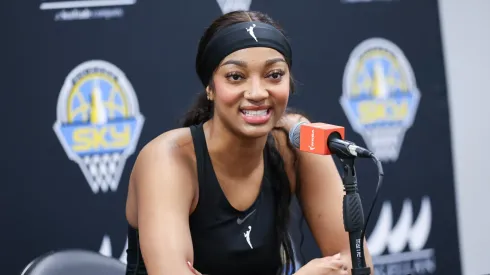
(203, 111)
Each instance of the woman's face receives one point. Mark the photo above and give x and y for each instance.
(251, 90)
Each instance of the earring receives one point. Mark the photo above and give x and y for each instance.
(208, 96)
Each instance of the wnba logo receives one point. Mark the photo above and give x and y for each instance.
(98, 122)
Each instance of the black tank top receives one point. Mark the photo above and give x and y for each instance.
(225, 240)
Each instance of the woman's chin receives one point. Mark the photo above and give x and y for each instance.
(256, 130)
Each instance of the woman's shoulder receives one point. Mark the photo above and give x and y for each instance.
(172, 139)
(165, 166)
(173, 145)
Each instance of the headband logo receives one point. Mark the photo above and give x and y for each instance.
(251, 32)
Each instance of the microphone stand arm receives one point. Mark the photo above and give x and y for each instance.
(353, 217)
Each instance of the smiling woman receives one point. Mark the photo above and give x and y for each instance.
(213, 196)
(250, 83)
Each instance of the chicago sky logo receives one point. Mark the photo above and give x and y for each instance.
(388, 244)
(98, 122)
(380, 96)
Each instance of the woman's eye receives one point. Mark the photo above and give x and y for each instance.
(234, 76)
(276, 75)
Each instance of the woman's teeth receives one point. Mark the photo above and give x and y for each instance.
(254, 112)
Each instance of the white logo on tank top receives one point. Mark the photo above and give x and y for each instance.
(247, 236)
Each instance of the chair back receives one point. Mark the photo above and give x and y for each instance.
(74, 262)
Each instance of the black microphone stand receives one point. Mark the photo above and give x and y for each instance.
(353, 216)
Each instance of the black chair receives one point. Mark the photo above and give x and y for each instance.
(74, 262)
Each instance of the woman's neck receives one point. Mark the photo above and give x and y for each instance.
(236, 156)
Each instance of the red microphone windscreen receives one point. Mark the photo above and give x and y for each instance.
(314, 136)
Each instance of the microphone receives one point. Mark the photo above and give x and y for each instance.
(325, 139)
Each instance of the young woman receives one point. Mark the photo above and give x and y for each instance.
(213, 196)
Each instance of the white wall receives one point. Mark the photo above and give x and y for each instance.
(465, 28)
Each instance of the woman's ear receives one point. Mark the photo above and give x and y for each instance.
(209, 93)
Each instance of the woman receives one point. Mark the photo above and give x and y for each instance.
(213, 196)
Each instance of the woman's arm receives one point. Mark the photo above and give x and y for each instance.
(164, 192)
(321, 194)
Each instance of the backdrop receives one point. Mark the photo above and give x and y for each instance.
(90, 82)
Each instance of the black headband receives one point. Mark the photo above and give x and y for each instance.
(240, 36)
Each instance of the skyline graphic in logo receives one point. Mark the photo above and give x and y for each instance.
(398, 249)
(380, 96)
(98, 122)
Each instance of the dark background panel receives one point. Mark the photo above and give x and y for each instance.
(48, 204)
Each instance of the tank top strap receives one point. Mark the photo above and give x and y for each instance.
(200, 149)
(210, 194)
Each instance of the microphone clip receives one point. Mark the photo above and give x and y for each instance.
(346, 149)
